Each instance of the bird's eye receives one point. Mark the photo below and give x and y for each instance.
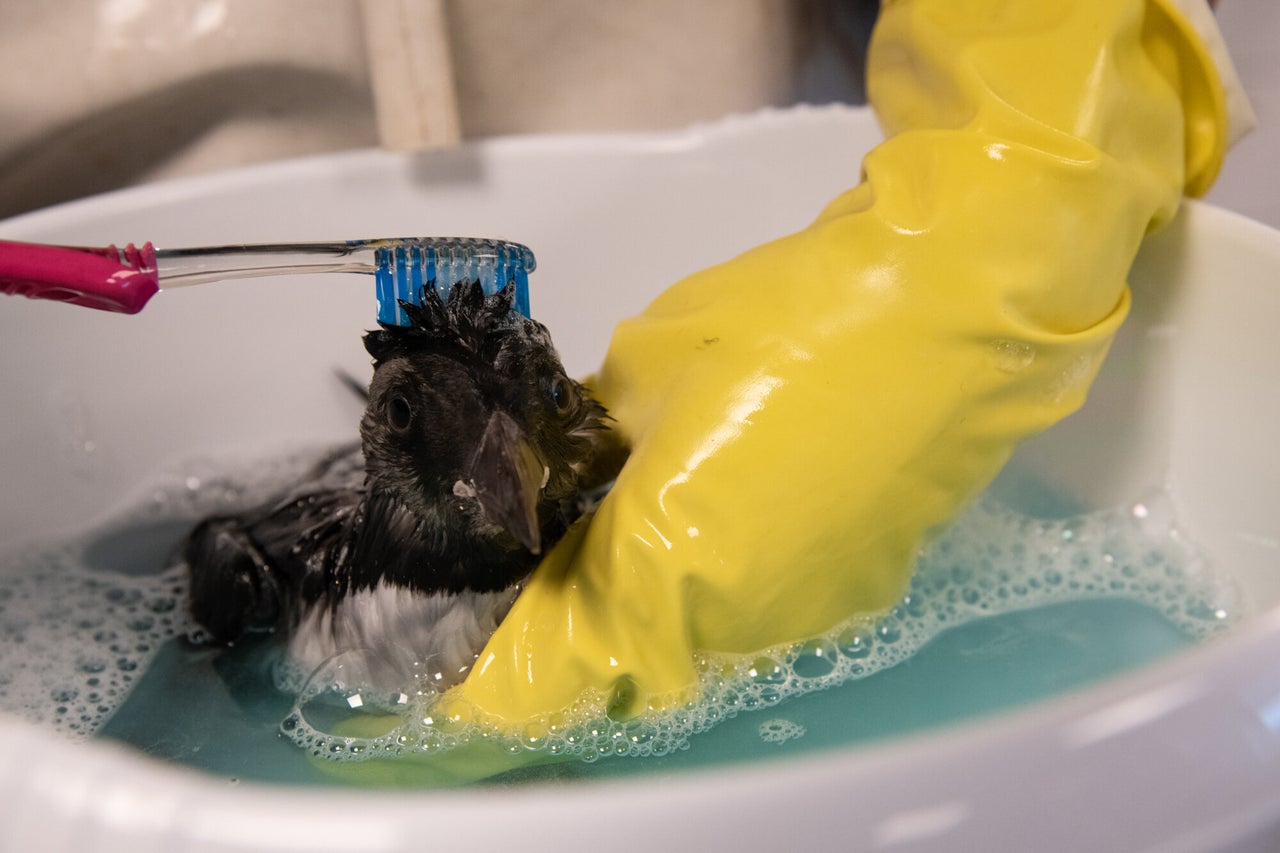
(399, 413)
(563, 396)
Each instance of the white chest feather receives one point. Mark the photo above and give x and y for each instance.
(390, 638)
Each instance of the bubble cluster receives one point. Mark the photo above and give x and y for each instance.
(779, 730)
(81, 621)
(73, 641)
(992, 561)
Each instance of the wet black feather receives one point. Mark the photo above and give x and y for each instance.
(395, 509)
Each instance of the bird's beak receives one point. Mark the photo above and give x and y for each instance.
(508, 476)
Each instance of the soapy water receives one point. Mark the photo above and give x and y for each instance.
(993, 561)
(79, 625)
(81, 620)
(72, 641)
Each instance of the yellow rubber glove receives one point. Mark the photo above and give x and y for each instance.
(802, 417)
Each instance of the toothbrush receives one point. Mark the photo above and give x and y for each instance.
(122, 280)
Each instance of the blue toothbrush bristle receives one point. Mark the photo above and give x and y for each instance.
(404, 267)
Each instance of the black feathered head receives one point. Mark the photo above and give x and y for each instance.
(472, 419)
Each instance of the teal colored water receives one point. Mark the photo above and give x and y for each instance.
(1004, 610)
(219, 711)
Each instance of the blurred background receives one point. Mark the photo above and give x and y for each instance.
(101, 94)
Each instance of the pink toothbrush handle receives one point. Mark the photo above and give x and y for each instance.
(107, 279)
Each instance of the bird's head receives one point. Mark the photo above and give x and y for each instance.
(472, 423)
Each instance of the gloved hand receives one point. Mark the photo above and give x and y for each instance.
(802, 417)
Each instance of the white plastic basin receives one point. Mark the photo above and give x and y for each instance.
(1182, 755)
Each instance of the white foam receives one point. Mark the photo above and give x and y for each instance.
(74, 641)
(75, 638)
